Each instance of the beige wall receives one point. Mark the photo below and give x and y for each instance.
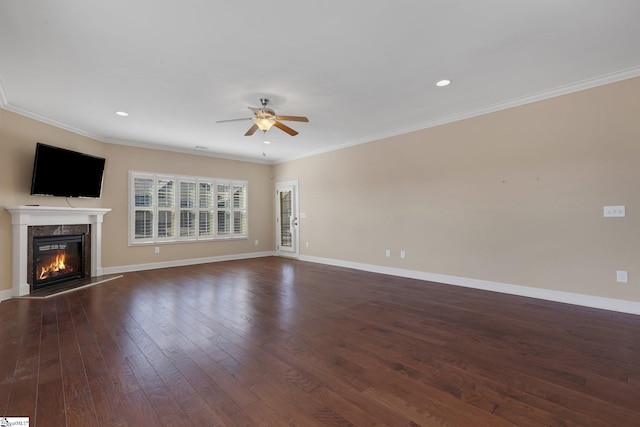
(18, 137)
(514, 196)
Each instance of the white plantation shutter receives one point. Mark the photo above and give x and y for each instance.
(239, 223)
(205, 224)
(166, 190)
(187, 208)
(205, 206)
(205, 196)
(143, 188)
(232, 209)
(187, 223)
(181, 208)
(239, 196)
(165, 223)
(143, 225)
(187, 194)
(143, 208)
(224, 223)
(166, 193)
(239, 209)
(223, 192)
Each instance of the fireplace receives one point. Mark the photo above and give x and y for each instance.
(29, 222)
(57, 259)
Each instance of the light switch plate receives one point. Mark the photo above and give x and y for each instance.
(622, 276)
(614, 211)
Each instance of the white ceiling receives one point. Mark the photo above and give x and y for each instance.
(360, 70)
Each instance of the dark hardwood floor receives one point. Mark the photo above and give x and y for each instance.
(278, 342)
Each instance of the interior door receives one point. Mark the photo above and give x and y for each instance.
(287, 241)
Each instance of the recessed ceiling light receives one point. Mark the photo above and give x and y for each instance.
(121, 114)
(443, 83)
(267, 142)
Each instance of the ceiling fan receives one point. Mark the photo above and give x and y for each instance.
(265, 118)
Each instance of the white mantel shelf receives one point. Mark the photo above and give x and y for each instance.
(24, 216)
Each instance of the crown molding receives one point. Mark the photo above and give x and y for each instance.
(504, 105)
(54, 123)
(182, 150)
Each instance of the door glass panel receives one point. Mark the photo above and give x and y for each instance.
(286, 236)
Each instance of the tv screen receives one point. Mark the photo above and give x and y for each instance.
(66, 173)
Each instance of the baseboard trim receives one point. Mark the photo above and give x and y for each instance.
(184, 262)
(611, 304)
(5, 295)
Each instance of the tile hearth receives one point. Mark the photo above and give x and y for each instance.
(70, 286)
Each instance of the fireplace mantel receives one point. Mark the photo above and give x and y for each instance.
(24, 216)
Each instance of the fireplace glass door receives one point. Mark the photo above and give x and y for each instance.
(57, 259)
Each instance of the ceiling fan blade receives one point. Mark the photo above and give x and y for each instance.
(285, 128)
(251, 130)
(234, 120)
(293, 118)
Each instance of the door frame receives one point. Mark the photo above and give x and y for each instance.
(296, 222)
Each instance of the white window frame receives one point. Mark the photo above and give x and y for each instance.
(197, 208)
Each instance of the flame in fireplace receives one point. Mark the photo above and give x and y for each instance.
(56, 266)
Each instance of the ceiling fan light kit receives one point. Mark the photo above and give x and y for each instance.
(265, 118)
(264, 123)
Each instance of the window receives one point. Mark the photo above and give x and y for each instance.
(239, 209)
(143, 208)
(185, 208)
(205, 205)
(166, 207)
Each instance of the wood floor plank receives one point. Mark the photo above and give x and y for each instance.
(274, 341)
(23, 384)
(50, 403)
(166, 409)
(79, 406)
(15, 315)
(106, 397)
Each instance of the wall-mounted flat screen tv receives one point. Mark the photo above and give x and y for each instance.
(66, 173)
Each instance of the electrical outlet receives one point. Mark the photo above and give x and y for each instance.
(157, 249)
(403, 254)
(257, 242)
(307, 244)
(388, 253)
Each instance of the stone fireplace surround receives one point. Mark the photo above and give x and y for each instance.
(23, 217)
